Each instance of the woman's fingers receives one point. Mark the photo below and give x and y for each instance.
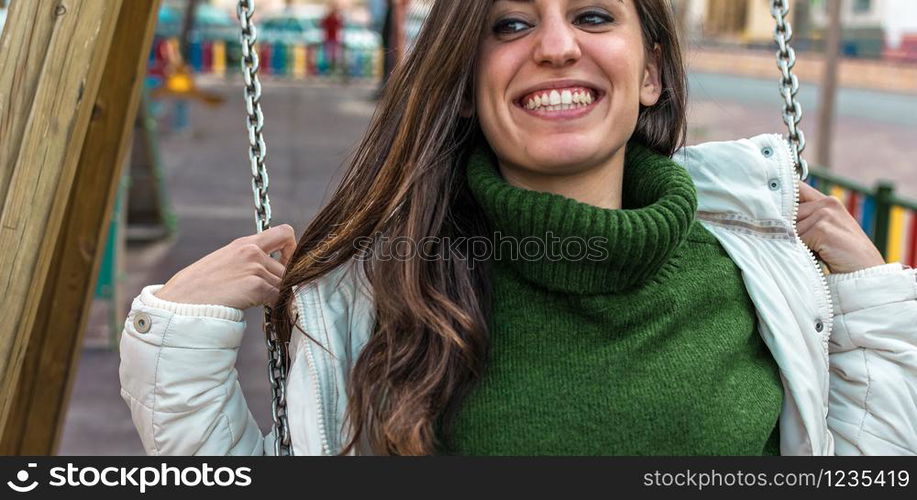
(271, 272)
(808, 208)
(271, 297)
(278, 239)
(241, 274)
(805, 225)
(264, 267)
(268, 277)
(813, 202)
(275, 268)
(809, 193)
(826, 227)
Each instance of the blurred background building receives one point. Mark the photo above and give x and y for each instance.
(871, 28)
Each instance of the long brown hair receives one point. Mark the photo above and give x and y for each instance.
(430, 337)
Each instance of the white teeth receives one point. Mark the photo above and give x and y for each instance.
(559, 100)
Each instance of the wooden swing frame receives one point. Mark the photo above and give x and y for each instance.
(72, 72)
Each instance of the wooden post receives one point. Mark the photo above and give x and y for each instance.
(828, 92)
(70, 95)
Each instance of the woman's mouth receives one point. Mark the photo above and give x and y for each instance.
(569, 102)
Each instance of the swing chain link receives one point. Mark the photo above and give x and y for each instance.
(789, 84)
(257, 152)
(277, 349)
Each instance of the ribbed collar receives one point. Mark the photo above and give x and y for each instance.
(623, 248)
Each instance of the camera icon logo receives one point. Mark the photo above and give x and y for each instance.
(21, 478)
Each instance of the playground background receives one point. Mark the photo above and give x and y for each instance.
(188, 188)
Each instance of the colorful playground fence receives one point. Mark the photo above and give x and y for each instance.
(279, 59)
(890, 221)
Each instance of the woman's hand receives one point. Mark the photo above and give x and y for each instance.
(831, 232)
(241, 274)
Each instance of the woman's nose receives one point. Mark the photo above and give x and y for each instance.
(556, 44)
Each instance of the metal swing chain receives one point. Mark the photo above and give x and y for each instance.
(277, 355)
(789, 84)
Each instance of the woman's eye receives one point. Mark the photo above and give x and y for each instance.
(510, 26)
(593, 19)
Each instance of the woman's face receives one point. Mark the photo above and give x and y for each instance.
(560, 82)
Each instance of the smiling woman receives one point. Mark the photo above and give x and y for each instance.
(516, 136)
(620, 59)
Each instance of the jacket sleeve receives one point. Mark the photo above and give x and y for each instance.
(873, 361)
(179, 379)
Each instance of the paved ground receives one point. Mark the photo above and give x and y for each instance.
(310, 131)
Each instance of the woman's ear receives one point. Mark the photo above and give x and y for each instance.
(651, 89)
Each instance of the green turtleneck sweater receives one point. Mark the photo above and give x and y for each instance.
(640, 339)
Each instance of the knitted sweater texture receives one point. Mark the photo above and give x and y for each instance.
(615, 332)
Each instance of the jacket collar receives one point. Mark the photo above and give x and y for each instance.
(750, 178)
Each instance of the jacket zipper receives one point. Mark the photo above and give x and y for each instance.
(316, 393)
(828, 322)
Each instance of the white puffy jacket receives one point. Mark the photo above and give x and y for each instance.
(846, 345)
